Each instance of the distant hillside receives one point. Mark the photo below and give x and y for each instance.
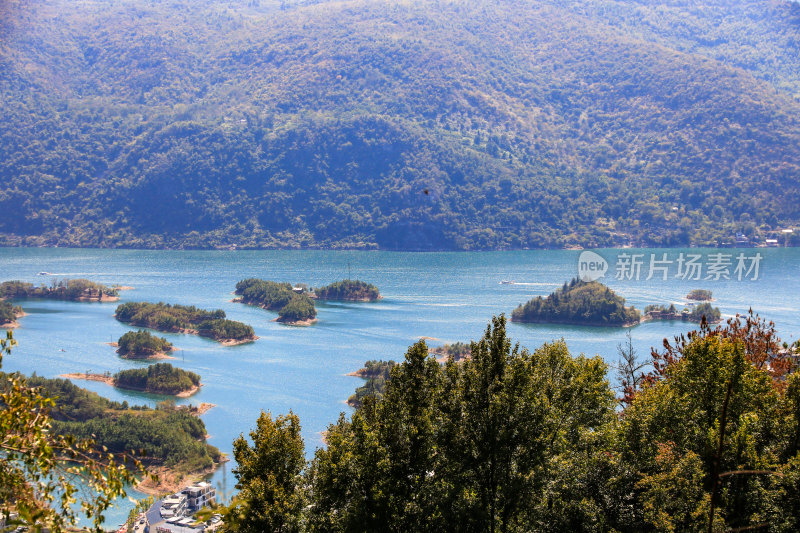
(414, 125)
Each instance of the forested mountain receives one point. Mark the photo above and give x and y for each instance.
(414, 125)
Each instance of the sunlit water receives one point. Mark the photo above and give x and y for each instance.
(447, 296)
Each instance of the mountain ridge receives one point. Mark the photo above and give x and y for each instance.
(367, 124)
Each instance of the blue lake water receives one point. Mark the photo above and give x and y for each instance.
(446, 296)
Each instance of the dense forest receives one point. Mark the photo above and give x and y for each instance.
(183, 318)
(160, 378)
(142, 343)
(292, 307)
(65, 289)
(702, 436)
(579, 302)
(348, 289)
(415, 125)
(166, 436)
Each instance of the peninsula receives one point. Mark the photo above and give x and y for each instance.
(294, 306)
(9, 314)
(186, 319)
(580, 303)
(172, 437)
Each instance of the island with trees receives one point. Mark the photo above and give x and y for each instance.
(580, 303)
(9, 314)
(348, 290)
(143, 345)
(295, 308)
(160, 378)
(694, 314)
(376, 373)
(702, 295)
(185, 319)
(76, 290)
(457, 350)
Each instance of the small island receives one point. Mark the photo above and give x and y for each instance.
(694, 314)
(458, 351)
(351, 290)
(294, 307)
(143, 345)
(579, 303)
(160, 378)
(75, 290)
(701, 295)
(186, 319)
(376, 373)
(9, 314)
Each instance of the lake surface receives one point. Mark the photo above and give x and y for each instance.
(447, 296)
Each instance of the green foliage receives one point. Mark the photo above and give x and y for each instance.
(268, 477)
(177, 318)
(376, 373)
(43, 473)
(160, 378)
(175, 439)
(348, 289)
(291, 306)
(509, 440)
(299, 308)
(579, 302)
(464, 447)
(461, 128)
(142, 344)
(699, 294)
(66, 289)
(267, 294)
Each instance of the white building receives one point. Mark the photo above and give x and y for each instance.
(199, 495)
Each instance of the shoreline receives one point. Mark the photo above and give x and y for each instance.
(359, 300)
(14, 324)
(153, 357)
(171, 480)
(300, 323)
(109, 380)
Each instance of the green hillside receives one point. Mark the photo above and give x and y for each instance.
(420, 125)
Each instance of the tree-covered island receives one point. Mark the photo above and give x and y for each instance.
(581, 303)
(160, 378)
(294, 308)
(703, 295)
(143, 345)
(76, 290)
(185, 319)
(348, 290)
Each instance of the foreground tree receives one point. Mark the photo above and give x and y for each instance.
(270, 485)
(43, 474)
(714, 435)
